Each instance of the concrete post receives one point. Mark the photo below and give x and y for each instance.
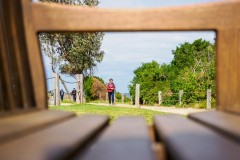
(56, 89)
(159, 98)
(78, 89)
(137, 95)
(180, 97)
(209, 99)
(122, 98)
(106, 97)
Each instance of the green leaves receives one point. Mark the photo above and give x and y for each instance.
(73, 53)
(191, 70)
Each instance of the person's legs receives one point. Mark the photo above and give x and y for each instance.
(112, 97)
(109, 97)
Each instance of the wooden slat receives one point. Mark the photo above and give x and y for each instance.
(56, 142)
(55, 17)
(34, 57)
(19, 125)
(126, 139)
(185, 139)
(228, 73)
(222, 122)
(6, 67)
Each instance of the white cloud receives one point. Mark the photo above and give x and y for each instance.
(125, 51)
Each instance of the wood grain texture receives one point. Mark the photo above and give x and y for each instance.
(185, 139)
(34, 56)
(228, 73)
(126, 139)
(196, 17)
(55, 142)
(224, 123)
(222, 17)
(21, 125)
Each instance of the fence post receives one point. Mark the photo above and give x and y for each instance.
(56, 89)
(122, 98)
(180, 97)
(79, 88)
(209, 99)
(107, 97)
(137, 95)
(159, 98)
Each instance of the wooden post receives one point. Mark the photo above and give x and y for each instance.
(122, 98)
(56, 98)
(54, 89)
(79, 88)
(180, 97)
(159, 98)
(137, 95)
(209, 99)
(106, 97)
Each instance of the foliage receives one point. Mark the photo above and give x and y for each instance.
(191, 70)
(94, 88)
(150, 76)
(112, 112)
(98, 89)
(73, 53)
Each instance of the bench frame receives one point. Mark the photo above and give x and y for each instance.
(222, 17)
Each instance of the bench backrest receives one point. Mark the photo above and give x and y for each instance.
(22, 79)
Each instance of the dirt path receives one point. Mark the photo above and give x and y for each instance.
(181, 111)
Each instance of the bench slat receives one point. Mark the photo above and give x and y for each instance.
(126, 139)
(225, 123)
(187, 140)
(19, 125)
(55, 142)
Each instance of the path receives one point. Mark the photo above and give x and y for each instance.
(181, 111)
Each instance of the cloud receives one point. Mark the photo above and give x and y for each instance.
(126, 51)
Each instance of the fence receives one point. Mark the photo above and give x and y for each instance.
(56, 91)
(166, 97)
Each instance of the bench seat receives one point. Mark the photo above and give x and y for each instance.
(55, 142)
(12, 127)
(225, 123)
(127, 139)
(185, 139)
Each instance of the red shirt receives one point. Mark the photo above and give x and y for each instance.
(110, 87)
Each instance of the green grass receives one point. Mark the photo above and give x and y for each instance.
(112, 111)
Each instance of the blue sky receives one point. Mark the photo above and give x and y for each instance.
(125, 51)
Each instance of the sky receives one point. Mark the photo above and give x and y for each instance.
(126, 51)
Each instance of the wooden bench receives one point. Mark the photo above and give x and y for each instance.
(186, 140)
(29, 131)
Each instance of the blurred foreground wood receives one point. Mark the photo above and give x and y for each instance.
(29, 131)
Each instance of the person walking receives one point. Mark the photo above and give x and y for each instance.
(111, 89)
(61, 94)
(74, 93)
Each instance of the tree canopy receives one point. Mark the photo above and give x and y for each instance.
(73, 53)
(191, 70)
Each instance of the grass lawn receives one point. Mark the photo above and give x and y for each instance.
(112, 111)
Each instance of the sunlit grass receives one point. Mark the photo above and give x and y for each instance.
(112, 111)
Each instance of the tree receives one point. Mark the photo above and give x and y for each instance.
(95, 88)
(191, 70)
(73, 53)
(150, 77)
